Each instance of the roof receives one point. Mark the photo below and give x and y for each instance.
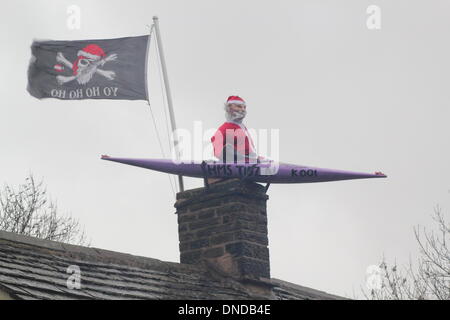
(32, 268)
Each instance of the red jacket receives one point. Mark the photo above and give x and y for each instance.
(239, 137)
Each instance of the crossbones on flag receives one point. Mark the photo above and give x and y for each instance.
(89, 69)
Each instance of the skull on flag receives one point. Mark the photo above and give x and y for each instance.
(88, 62)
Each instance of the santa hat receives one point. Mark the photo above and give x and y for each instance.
(235, 100)
(92, 51)
(58, 67)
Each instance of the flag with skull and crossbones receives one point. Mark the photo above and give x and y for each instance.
(89, 61)
(89, 69)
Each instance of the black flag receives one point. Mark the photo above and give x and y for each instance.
(89, 69)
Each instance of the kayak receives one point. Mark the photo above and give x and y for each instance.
(263, 171)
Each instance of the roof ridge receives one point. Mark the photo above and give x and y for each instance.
(97, 254)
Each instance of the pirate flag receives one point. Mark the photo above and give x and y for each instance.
(89, 69)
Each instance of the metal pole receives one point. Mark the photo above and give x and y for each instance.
(169, 95)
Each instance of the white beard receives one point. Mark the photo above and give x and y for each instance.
(86, 74)
(235, 116)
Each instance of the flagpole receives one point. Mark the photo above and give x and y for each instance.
(169, 96)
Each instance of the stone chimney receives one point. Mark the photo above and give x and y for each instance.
(225, 226)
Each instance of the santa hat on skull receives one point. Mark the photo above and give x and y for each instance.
(235, 100)
(91, 52)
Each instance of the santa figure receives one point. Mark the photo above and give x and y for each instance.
(232, 141)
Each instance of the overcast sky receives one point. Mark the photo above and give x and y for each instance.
(342, 96)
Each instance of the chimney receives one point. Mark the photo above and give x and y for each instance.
(225, 226)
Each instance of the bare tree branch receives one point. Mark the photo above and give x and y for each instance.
(430, 279)
(28, 210)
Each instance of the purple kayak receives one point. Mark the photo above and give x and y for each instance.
(265, 171)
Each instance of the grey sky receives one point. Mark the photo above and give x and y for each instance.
(343, 97)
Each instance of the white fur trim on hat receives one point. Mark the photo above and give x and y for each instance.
(88, 55)
(236, 102)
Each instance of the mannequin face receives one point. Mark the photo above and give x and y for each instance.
(235, 112)
(237, 107)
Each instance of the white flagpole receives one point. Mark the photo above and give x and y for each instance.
(169, 95)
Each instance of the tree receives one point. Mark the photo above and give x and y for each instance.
(28, 210)
(429, 278)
